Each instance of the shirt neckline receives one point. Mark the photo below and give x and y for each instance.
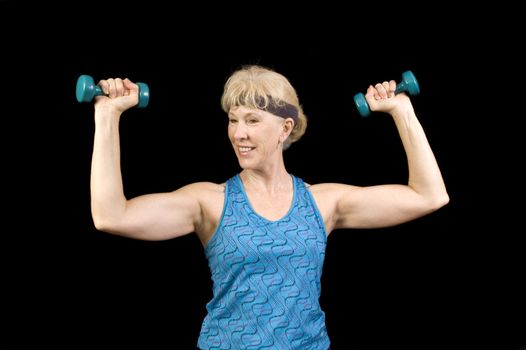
(292, 204)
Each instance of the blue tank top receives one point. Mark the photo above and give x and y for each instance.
(266, 276)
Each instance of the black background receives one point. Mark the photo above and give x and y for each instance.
(453, 279)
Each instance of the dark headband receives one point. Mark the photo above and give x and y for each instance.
(283, 109)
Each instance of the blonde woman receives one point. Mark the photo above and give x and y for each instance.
(264, 230)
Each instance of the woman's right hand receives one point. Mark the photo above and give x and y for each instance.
(121, 94)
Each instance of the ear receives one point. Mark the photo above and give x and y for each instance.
(288, 126)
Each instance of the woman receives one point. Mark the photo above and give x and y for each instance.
(264, 231)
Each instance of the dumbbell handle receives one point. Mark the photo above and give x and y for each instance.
(408, 84)
(86, 90)
(97, 91)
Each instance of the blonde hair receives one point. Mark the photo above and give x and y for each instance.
(257, 87)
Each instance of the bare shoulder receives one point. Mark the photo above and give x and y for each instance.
(328, 194)
(329, 188)
(210, 197)
(205, 186)
(202, 190)
(327, 197)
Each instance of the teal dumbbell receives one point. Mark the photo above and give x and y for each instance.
(87, 90)
(408, 84)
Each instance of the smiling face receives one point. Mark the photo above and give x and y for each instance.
(257, 136)
(262, 89)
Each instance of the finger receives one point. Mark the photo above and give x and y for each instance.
(387, 89)
(382, 92)
(129, 85)
(371, 92)
(105, 87)
(119, 87)
(111, 88)
(392, 88)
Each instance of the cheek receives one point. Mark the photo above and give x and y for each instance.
(230, 133)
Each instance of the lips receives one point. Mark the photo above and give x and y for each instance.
(245, 149)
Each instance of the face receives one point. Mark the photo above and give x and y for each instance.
(257, 136)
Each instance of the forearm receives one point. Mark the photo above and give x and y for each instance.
(108, 202)
(425, 177)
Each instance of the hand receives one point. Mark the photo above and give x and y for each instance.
(382, 97)
(120, 94)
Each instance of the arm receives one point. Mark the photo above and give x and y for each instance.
(387, 205)
(154, 216)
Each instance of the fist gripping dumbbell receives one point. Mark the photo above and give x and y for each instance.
(408, 84)
(87, 90)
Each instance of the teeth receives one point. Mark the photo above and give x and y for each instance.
(244, 149)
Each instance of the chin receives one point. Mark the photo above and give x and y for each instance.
(245, 165)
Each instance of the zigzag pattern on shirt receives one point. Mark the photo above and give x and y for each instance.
(266, 277)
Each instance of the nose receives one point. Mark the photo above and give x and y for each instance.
(240, 132)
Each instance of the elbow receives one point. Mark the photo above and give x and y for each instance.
(106, 220)
(438, 201)
(102, 224)
(445, 199)
(105, 223)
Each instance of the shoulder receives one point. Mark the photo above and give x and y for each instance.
(203, 188)
(330, 196)
(326, 187)
(207, 195)
(201, 192)
(331, 190)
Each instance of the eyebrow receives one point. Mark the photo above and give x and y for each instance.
(245, 115)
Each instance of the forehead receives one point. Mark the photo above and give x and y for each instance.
(241, 111)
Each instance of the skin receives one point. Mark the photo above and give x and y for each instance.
(257, 139)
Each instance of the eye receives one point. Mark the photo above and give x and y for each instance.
(232, 121)
(252, 121)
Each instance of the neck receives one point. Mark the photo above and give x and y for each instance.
(275, 180)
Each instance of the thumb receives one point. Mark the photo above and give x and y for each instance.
(128, 84)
